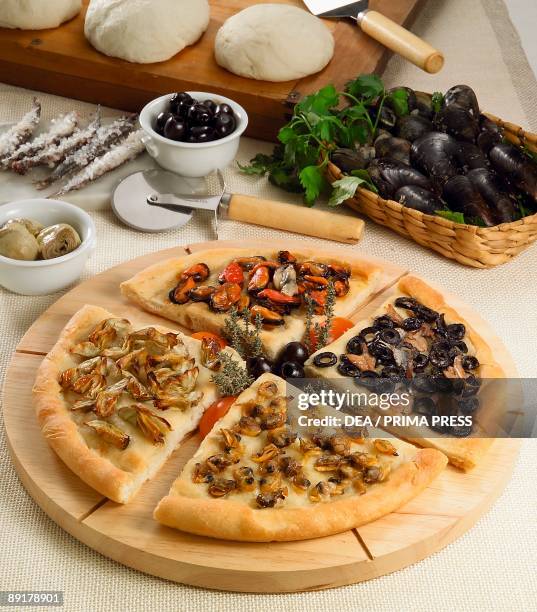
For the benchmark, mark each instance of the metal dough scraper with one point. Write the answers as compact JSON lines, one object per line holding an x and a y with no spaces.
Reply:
{"x":156,"y":200}
{"x":382,"y":29}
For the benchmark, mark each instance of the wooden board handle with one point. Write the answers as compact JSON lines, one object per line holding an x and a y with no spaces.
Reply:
{"x":401,"y":41}
{"x":298,"y":219}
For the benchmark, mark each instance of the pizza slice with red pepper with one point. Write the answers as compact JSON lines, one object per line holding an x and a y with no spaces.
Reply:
{"x":274,"y":287}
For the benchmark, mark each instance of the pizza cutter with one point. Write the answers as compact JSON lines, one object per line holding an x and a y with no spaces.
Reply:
{"x":156,"y":200}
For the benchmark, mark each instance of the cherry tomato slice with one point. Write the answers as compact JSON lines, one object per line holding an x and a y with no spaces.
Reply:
{"x":214,"y":413}
{"x":201,"y":335}
{"x":339,"y":326}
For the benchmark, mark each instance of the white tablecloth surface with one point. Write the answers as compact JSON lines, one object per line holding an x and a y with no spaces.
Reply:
{"x":493,"y":566}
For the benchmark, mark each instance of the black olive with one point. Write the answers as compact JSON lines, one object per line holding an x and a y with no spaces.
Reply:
{"x":442,"y":384}
{"x":179,"y":99}
{"x":325,"y":360}
{"x":161,"y":121}
{"x":346,"y":368}
{"x":407,"y":303}
{"x":383,"y":322}
{"x":294,"y":351}
{"x":174,"y":129}
{"x":424,"y":405}
{"x":420,"y":362}
{"x":455,"y":332}
{"x":460,"y":431}
{"x":393,"y":371}
{"x":441,"y":345}
{"x":225,"y":108}
{"x":201,"y":133}
{"x":470,"y":363}
{"x":202,"y":115}
{"x":411,"y":323}
{"x":382,"y":353}
{"x":257,"y":366}
{"x":440,"y":359}
{"x":368,"y":333}
{"x":211,"y":105}
{"x":468,"y":405}
{"x":461,"y":346}
{"x":471,"y":386}
{"x":354,"y":345}
{"x":390,"y":336}
{"x":423,"y":383}
{"x":224,"y":124}
{"x":290,"y":369}
{"x":368,"y":379}
{"x":425,"y":313}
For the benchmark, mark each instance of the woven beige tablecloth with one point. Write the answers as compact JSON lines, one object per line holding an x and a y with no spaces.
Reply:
{"x":493,"y":566}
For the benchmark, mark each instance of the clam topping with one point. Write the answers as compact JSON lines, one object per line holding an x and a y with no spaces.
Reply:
{"x":58,"y":240}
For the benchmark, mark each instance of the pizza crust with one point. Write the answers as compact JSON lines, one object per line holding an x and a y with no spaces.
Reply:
{"x":149,"y":289}
{"x":188,"y":507}
{"x":465,"y":453}
{"x":116,"y":474}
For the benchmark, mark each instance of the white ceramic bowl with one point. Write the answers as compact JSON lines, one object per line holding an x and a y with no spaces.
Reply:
{"x":186,"y":158}
{"x":51,"y":275}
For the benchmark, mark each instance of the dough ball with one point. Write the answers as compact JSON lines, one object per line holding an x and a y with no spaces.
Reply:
{"x":36,"y":14}
{"x":145,"y":31}
{"x":274,"y":42}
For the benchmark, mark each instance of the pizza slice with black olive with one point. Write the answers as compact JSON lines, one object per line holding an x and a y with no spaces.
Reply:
{"x":416,"y":338}
{"x":114,"y":400}
{"x":254,"y":479}
{"x":200,"y":290}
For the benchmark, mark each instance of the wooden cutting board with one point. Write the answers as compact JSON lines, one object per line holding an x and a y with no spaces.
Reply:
{"x":128,"y":533}
{"x":61,"y":61}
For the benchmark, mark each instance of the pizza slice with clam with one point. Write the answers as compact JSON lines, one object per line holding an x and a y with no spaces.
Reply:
{"x":275,"y":287}
{"x":416,"y":338}
{"x":254,"y":479}
{"x":114,"y":399}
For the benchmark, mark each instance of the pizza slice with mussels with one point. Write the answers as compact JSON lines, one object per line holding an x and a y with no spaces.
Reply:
{"x":200,"y":290}
{"x":114,"y":399}
{"x":254,"y":479}
{"x":415,"y":337}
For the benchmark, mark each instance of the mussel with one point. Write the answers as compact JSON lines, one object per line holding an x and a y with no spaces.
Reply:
{"x":470,"y":156}
{"x":390,"y":175}
{"x":517,"y":168}
{"x":411,"y":97}
{"x":464,"y":97}
{"x":268,"y":317}
{"x":419,"y":198}
{"x":457,"y":122}
{"x":348,"y":159}
{"x":424,"y":105}
{"x":225,"y":296}
{"x":387,"y":145}
{"x":461,"y":195}
{"x":495,"y":194}
{"x":435,"y":154}
{"x":411,"y":127}
{"x":490,"y":134}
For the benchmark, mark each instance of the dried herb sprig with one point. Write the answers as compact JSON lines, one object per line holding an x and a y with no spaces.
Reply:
{"x":244,"y":336}
{"x":310,"y":311}
{"x":329,"y":305}
{"x":232,"y":378}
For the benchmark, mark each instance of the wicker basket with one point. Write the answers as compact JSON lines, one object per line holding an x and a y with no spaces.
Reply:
{"x":480,"y":247}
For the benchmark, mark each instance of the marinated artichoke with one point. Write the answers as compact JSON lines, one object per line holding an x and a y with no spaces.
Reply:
{"x":58,"y":240}
{"x":16,"y":242}
{"x":33,"y":226}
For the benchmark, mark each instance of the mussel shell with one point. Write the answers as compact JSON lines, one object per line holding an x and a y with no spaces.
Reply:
{"x":435,"y":154}
{"x":348,"y":160}
{"x":463,"y":96}
{"x":424,"y":105}
{"x":391,"y":175}
{"x":418,"y":198}
{"x":471,"y":156}
{"x":494,"y":193}
{"x":394,"y":148}
{"x":411,"y":99}
{"x":460,"y":195}
{"x":513,"y":165}
{"x":457,"y":122}
{"x":412,"y":127}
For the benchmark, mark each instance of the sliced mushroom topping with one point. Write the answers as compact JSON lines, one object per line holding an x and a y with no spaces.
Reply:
{"x":365,"y":362}
{"x":221,"y":487}
{"x":416,"y":340}
{"x":110,"y":433}
{"x":457,"y":369}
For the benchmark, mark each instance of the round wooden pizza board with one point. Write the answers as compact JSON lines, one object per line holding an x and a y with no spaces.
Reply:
{"x":129,"y":535}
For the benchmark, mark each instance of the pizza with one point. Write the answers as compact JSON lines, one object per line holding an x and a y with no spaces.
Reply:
{"x":198,"y":291}
{"x":114,"y":400}
{"x":415,"y":336}
{"x":254,"y":479}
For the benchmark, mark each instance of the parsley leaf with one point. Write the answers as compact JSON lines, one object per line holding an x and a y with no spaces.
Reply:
{"x":344,"y":189}
{"x":320,"y":102}
{"x":456,"y":217}
{"x":365,"y":86}
{"x":399,"y":101}
{"x":313,"y":180}
{"x":437,"y":101}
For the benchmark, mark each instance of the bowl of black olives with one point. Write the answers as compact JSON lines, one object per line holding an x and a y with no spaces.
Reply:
{"x":193,"y":133}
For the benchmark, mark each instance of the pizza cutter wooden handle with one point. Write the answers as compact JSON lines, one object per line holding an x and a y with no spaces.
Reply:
{"x":293,"y":218}
{"x":401,"y":41}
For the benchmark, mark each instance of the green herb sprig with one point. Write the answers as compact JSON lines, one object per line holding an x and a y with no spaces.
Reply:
{"x":232,"y":378}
